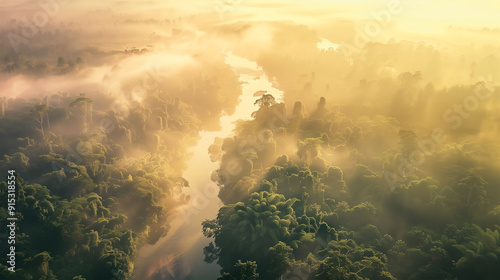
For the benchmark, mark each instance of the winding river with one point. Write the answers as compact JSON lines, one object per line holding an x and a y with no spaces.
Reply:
{"x":179,"y":255}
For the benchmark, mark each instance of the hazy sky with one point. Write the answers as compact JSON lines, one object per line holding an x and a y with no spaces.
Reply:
{"x":479,"y":13}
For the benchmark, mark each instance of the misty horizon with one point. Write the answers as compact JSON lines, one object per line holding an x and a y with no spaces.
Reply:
{"x":250,"y":139}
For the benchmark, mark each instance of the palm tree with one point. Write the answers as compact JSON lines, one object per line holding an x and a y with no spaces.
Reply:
{"x":267,"y":100}
{"x":39,"y":111}
{"x":84,"y":105}
{"x":47,"y":113}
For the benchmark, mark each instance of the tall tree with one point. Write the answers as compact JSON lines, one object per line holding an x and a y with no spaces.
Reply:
{"x":40,"y":111}
{"x":267,"y":100}
{"x":84,"y":104}
{"x":46,"y":99}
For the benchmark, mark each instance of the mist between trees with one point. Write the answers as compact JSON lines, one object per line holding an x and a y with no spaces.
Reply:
{"x":380,"y":163}
{"x":312,"y":200}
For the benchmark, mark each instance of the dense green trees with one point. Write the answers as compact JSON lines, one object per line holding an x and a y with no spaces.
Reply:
{"x":241,"y":271}
{"x":249,"y":231}
{"x":436,"y":218}
{"x":84,"y":204}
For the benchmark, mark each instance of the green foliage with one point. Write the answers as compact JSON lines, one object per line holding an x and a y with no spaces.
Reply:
{"x":265,"y":217}
{"x":242,"y":271}
{"x":437,"y":219}
{"x":84,"y":204}
{"x":346,"y":260}
{"x":280,"y":256}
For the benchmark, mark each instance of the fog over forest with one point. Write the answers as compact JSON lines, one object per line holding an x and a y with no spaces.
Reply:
{"x":250,"y":139}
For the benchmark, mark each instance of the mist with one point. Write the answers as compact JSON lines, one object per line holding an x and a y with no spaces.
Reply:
{"x":351,"y":121}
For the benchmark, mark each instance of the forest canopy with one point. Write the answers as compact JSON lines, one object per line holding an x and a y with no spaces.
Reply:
{"x":327,"y":196}
{"x":339,"y":139}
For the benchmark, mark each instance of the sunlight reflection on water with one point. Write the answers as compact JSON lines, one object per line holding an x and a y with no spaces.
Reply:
{"x":179,"y":255}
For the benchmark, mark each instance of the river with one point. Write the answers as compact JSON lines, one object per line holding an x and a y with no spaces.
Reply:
{"x":179,"y":255}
